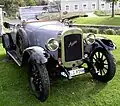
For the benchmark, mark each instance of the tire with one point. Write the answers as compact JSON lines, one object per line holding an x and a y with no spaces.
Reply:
{"x":105,"y":64}
{"x":21,"y":41}
{"x":39,"y":80}
{"x":6,"y":44}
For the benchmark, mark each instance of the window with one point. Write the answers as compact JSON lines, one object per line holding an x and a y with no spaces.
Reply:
{"x":93,"y":6}
{"x":76,"y":7}
{"x":84,"y":6}
{"x":119,"y":5}
{"x":110,"y":5}
{"x":67,"y":7}
{"x":102,"y":5}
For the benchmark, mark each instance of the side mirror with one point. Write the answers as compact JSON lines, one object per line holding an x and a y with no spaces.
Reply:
{"x":6,"y":25}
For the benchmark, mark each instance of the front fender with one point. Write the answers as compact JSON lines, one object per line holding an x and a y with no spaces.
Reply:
{"x":100,"y":43}
{"x":107,"y":44}
{"x":35,"y":53}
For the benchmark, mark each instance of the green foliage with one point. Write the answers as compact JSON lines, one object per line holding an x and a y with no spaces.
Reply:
{"x":90,"y":30}
{"x":111,"y":1}
{"x":100,"y":13}
{"x":93,"y":30}
{"x":118,"y":32}
{"x":98,"y":20}
{"x":110,"y":31}
{"x":11,"y":6}
{"x":101,"y":31}
{"x":30,"y":2}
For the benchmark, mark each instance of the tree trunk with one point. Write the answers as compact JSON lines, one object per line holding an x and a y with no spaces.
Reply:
{"x":113,"y":7}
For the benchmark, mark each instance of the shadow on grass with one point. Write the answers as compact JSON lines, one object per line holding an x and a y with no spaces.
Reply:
{"x":83,"y":84}
{"x":14,"y":82}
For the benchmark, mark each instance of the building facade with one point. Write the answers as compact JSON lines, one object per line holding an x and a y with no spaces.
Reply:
{"x":86,"y":5}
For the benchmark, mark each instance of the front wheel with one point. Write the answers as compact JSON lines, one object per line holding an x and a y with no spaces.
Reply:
{"x":104,"y":63}
{"x":39,"y":80}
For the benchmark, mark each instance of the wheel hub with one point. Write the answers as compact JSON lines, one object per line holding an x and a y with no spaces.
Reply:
{"x":99,"y":63}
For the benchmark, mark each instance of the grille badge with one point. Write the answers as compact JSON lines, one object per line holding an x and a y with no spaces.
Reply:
{"x":72,"y":44}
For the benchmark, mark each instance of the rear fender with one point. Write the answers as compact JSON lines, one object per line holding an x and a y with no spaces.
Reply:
{"x":35,"y":53}
{"x":7,"y":41}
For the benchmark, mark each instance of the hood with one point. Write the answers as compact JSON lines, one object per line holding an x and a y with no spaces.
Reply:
{"x":39,"y":32}
{"x":48,"y":26}
{"x":42,"y":31}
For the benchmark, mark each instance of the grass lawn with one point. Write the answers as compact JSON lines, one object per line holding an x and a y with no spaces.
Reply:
{"x":80,"y":91}
{"x":99,"y":20}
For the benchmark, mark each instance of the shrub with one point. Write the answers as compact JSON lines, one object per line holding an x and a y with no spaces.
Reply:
{"x":90,"y":30}
{"x":94,"y":30}
{"x":118,"y":32}
{"x":101,"y":31}
{"x":100,"y":13}
{"x":85,"y":30}
{"x":110,"y":31}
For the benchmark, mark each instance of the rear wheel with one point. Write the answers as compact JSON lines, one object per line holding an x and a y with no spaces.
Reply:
{"x":39,"y":80}
{"x":104,"y":63}
{"x":21,"y":41}
{"x":6,"y":44}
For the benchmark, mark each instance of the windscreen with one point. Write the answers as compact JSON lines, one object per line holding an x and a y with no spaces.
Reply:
{"x":39,"y":12}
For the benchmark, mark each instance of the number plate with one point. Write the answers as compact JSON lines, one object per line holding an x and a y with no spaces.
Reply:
{"x":74,"y":72}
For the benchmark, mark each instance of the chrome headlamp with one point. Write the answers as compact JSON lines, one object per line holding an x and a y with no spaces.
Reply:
{"x":90,"y":39}
{"x":52,"y":44}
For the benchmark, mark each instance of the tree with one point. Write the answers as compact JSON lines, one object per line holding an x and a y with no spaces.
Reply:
{"x":42,"y":2}
{"x":11,"y":6}
{"x":30,"y":2}
{"x":113,"y":6}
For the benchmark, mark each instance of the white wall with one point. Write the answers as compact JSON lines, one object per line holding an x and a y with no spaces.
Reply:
{"x":89,"y":5}
{"x":1,"y":22}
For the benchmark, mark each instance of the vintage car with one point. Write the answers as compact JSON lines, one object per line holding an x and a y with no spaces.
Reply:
{"x":56,"y":48}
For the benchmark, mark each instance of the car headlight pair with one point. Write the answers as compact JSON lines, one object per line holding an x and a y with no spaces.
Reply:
{"x":52,"y":44}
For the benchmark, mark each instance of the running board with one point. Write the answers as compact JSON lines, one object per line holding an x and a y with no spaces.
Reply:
{"x":13,"y":55}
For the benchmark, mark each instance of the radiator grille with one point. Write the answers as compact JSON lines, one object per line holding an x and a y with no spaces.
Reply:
{"x":73,"y":47}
